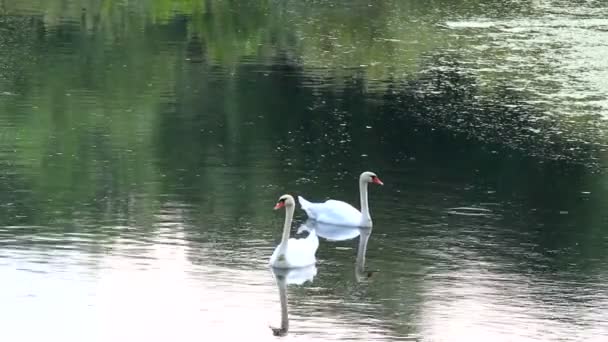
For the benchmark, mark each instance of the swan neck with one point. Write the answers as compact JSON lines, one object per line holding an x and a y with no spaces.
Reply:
{"x":363,"y":196}
{"x":287,"y":225}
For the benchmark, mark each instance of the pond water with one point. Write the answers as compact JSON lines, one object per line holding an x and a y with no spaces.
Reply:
{"x":145,"y":143}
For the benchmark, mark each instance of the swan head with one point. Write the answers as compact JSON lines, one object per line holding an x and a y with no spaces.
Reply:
{"x":370,"y":177}
{"x":285,"y":201}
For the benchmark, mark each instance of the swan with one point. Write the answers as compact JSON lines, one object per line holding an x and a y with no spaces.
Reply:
{"x":292,"y":253}
{"x":342,"y":213}
{"x":283,"y":277}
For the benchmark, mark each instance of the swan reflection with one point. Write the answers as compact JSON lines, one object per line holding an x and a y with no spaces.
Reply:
{"x":283,"y":277}
{"x":332,"y":232}
{"x":360,"y":273}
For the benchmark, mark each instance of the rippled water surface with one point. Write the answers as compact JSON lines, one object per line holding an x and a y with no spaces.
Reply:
{"x":143,"y":145}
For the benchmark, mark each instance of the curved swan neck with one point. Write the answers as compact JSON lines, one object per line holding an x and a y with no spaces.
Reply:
{"x":289,"y":210}
{"x":363,"y":196}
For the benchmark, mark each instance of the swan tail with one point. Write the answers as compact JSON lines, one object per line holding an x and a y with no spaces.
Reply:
{"x":303,"y":202}
{"x":306,"y":206}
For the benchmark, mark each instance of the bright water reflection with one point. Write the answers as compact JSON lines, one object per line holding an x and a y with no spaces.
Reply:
{"x":155,"y":293}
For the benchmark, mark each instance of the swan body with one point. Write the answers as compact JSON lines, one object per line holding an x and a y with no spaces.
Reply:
{"x":297,"y":252}
{"x":332,"y":212}
{"x":293,"y":253}
{"x":341,"y":213}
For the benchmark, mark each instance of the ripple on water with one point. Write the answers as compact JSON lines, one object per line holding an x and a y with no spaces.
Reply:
{"x":470,"y":211}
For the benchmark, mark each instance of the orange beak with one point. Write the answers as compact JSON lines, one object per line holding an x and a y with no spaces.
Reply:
{"x":279,"y":205}
{"x":377,"y":180}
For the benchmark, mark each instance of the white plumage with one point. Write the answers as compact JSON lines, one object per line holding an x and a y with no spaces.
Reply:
{"x":296,"y":253}
{"x":292,"y":253}
{"x":341,"y":213}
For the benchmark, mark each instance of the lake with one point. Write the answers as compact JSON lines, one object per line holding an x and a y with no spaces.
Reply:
{"x":145,"y":143}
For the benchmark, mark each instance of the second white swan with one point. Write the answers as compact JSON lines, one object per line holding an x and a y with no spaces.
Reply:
{"x":342,"y":213}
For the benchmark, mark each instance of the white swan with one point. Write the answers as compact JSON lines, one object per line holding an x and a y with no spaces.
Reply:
{"x":342,"y":213}
{"x":291,"y":253}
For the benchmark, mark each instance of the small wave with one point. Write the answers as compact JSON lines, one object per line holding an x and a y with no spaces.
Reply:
{"x":469,"y":211}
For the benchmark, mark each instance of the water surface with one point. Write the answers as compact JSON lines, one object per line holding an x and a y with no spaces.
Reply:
{"x":144,"y":144}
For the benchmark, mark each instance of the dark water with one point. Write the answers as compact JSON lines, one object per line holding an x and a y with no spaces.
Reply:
{"x":144,"y":143}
